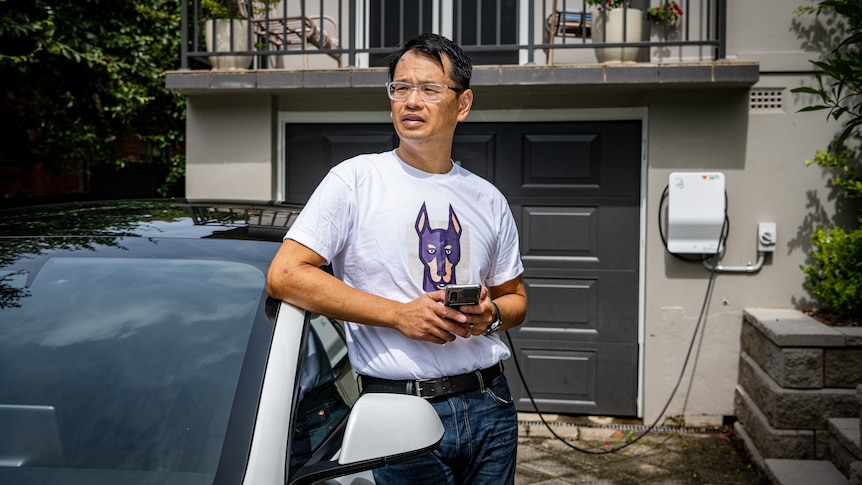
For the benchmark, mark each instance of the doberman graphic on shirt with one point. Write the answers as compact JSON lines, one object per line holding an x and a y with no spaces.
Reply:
{"x":439,"y":250}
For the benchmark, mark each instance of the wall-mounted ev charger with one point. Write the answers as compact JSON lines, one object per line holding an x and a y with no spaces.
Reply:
{"x":695,"y":212}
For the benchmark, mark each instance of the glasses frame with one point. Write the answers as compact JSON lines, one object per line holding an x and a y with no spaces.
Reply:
{"x":415,"y":87}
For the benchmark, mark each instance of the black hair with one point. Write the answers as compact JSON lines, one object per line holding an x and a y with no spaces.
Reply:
{"x":435,"y":46}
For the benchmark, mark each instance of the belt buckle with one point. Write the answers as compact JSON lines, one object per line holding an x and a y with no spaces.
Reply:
{"x":436,"y":387}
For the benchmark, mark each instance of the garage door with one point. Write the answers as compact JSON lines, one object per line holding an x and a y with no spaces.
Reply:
{"x":574,"y":189}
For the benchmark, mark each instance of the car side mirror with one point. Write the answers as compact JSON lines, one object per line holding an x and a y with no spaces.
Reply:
{"x":382,"y":429}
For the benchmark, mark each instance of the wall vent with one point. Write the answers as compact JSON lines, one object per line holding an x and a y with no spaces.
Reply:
{"x":766,"y":100}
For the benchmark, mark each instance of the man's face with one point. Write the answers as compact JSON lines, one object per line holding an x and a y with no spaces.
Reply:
{"x":420,"y":121}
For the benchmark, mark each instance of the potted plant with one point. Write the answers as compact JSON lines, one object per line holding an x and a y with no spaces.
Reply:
{"x":615,"y":22}
{"x":226,"y":30}
{"x":668,"y":14}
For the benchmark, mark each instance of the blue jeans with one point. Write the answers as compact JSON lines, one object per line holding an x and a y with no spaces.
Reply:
{"x":479,"y":443}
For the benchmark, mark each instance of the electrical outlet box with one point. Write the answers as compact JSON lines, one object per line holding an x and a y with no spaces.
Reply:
{"x":767,"y":237}
{"x":695,"y":212}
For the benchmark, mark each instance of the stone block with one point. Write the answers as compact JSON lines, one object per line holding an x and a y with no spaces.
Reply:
{"x":859,"y":399}
{"x":856,"y":473}
{"x":792,"y":328}
{"x":794,"y":408}
{"x":852,"y":336}
{"x":792,"y":367}
{"x":842,"y":367}
{"x":822,"y":442}
{"x":771,"y":442}
{"x":840,"y":456}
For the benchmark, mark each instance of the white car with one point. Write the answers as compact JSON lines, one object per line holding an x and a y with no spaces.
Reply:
{"x":138,"y":346}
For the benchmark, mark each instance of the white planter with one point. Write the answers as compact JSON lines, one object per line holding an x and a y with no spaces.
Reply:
{"x":222,"y":40}
{"x":614,"y":33}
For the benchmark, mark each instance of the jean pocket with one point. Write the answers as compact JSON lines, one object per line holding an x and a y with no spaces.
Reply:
{"x":499,"y":387}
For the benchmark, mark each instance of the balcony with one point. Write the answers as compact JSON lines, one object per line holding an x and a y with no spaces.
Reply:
{"x":310,"y":34}
{"x":569,"y":38}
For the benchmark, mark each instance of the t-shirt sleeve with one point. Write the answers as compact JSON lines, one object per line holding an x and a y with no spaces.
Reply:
{"x":324,"y":223}
{"x":506,"y":264}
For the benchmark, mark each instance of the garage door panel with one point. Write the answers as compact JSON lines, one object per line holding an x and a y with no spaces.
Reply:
{"x":313,"y":149}
{"x":579,"y":236}
{"x":476,"y":153}
{"x":596,"y":307}
{"x":585,"y":378}
{"x":342,"y":147}
{"x":566,"y":159}
{"x":567,"y":232}
{"x":541,"y":165}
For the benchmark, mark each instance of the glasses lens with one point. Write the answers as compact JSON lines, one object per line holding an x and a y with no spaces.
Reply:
{"x":428,"y":91}
{"x":431,"y":92}
{"x":399,"y":90}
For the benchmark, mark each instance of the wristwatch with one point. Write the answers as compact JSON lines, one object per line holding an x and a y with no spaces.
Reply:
{"x":496,"y":324}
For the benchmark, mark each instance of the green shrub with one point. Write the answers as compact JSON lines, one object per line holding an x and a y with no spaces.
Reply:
{"x":835,"y":276}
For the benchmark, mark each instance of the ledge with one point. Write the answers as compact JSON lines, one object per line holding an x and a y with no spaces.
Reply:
{"x":711,"y":75}
{"x":792,"y":328}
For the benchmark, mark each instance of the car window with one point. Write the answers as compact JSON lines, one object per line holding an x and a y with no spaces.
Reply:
{"x":122,"y":364}
{"x":327,"y":389}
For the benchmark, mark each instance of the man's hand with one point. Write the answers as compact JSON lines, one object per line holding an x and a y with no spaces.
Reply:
{"x":425,"y":318}
{"x":478,"y":317}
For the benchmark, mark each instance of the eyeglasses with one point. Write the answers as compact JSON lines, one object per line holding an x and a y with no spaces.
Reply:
{"x":431,"y":92}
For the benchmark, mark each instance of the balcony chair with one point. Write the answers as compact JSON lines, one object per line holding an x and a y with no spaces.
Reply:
{"x":566,"y":23}
{"x":280,"y":31}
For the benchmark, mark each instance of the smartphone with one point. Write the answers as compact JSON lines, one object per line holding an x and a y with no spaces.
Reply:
{"x":459,"y":295}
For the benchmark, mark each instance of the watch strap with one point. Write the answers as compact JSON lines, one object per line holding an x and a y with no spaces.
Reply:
{"x":496,"y":324}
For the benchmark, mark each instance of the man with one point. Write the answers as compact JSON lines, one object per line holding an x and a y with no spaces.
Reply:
{"x":397,"y":228}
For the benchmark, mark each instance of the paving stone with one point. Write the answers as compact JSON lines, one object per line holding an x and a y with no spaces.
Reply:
{"x":804,"y":472}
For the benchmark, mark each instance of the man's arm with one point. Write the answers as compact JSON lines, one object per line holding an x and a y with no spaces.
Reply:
{"x":511,"y":299}
{"x":296,"y":277}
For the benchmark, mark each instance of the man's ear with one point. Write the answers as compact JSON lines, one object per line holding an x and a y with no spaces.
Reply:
{"x":465,"y":102}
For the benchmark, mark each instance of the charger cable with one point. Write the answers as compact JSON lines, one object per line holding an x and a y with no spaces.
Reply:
{"x":700,"y":319}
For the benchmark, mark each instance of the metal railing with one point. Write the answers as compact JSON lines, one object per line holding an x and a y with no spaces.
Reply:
{"x":361,"y":33}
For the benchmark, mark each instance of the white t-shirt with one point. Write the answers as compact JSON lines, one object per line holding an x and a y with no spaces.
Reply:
{"x":398,"y":232}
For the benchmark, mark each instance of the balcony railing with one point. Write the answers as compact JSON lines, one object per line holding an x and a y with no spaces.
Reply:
{"x":304,"y":34}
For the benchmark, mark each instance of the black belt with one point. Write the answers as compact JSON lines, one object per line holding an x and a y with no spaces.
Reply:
{"x":442,"y":386}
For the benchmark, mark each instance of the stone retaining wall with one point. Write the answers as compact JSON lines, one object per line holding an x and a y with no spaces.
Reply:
{"x":794,"y":374}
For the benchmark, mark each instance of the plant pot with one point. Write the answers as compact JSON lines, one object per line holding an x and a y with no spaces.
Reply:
{"x":613,"y":33}
{"x":223,"y":41}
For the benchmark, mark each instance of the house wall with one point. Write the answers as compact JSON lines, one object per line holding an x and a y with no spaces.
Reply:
{"x":762,"y":155}
{"x":232,"y":149}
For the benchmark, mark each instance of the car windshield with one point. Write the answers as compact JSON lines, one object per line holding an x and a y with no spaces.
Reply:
{"x":121,"y":363}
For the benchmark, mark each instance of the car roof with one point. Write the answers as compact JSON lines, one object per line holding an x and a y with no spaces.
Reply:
{"x":160,"y":292}
{"x":161,"y":218}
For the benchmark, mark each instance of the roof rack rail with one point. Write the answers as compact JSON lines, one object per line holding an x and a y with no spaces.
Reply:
{"x":255,"y":215}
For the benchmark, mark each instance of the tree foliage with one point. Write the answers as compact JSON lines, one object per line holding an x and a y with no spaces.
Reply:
{"x":834,"y":277}
{"x":78,"y":76}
